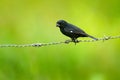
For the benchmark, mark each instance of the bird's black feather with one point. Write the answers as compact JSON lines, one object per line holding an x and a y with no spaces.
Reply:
{"x":72,"y":31}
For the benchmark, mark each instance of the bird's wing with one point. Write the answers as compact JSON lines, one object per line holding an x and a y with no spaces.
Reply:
{"x":75,"y":30}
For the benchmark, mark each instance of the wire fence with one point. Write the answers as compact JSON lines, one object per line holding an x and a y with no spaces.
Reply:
{"x":56,"y":43}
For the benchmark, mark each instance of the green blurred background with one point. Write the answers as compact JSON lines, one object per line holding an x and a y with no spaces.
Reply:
{"x":33,"y":21}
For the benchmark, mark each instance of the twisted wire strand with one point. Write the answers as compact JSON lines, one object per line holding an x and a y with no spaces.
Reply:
{"x":55,"y":43}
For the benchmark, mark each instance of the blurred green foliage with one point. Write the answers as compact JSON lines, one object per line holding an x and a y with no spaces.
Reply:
{"x":32,"y":21}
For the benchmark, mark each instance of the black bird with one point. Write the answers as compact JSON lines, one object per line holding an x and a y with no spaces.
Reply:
{"x":72,"y":31}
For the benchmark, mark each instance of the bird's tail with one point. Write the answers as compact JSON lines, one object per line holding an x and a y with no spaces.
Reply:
{"x":92,"y":37}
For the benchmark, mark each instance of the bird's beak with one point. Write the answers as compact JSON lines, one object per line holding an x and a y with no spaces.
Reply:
{"x":57,"y":25}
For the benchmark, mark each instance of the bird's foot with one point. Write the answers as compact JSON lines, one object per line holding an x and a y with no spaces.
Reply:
{"x":76,"y":41}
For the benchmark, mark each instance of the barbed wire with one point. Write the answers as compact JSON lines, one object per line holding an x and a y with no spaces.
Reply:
{"x":55,"y":43}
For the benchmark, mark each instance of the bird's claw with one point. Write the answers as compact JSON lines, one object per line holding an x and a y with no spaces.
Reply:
{"x":76,"y":41}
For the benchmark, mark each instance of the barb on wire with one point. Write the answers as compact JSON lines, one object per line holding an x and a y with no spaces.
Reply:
{"x":55,"y":43}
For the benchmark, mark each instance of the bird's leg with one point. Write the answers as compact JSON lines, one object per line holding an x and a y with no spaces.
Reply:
{"x":75,"y":40}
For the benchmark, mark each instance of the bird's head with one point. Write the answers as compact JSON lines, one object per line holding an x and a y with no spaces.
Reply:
{"x":61,"y":23}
